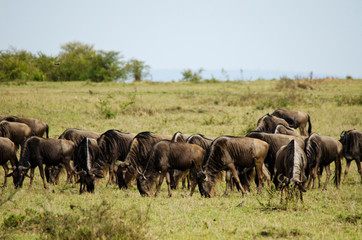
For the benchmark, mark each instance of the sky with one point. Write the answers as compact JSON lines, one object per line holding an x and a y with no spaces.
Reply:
{"x":319,"y":36}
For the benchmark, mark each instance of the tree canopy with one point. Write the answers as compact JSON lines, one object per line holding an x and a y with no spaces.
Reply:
{"x":75,"y":62}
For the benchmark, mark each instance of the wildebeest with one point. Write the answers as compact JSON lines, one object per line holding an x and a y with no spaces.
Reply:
{"x":268,"y":123}
{"x":282,"y":129}
{"x":295,"y":119}
{"x":290,"y":167}
{"x":275,"y":141}
{"x":38,"y":127}
{"x":321,"y":151}
{"x":352,"y":149}
{"x":137,"y":156}
{"x":15,"y":131}
{"x":175,"y":174}
{"x":226,"y":153}
{"x":87,"y":166}
{"x":166,"y":155}
{"x":114,"y":146}
{"x":76,"y":136}
{"x":37,"y":151}
{"x":7,"y":152}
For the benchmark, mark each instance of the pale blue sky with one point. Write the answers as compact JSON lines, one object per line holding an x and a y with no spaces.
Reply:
{"x":281,"y":35}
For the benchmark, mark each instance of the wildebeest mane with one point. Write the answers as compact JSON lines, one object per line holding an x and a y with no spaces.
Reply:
{"x":4,"y":131}
{"x":312,"y":149}
{"x":215,"y":152}
{"x":177,"y":137}
{"x":112,"y":144}
{"x":139,"y":148}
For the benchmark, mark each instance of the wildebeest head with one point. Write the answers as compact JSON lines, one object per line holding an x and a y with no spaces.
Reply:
{"x":18,"y":174}
{"x":206,"y":185}
{"x":295,"y":163}
{"x":144,"y":186}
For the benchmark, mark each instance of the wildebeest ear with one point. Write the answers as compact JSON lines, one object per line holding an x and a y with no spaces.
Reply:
{"x":10,"y":174}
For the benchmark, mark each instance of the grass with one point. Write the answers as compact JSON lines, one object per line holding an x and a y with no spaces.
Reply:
{"x":213,"y":109}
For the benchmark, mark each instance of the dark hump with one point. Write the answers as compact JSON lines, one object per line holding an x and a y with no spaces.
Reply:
{"x":144,"y":135}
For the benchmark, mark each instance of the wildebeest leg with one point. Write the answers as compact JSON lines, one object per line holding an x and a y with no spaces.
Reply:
{"x":301,"y":195}
{"x":41,"y":170}
{"x":358,"y":162}
{"x":347,"y":170}
{"x":228,"y":182}
{"x":68,"y":170}
{"x":235,"y":173}
{"x":160,"y":181}
{"x":259,"y":172}
{"x":32,"y":170}
{"x":328,"y":171}
{"x":302,"y":130}
{"x":320,"y":172}
{"x":193,"y":173}
{"x":168,"y":181}
{"x":6,"y":170}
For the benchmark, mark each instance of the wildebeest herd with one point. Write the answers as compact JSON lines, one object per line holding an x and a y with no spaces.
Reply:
{"x":274,"y":152}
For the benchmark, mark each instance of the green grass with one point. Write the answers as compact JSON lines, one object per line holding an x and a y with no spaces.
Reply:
{"x":213,"y":109}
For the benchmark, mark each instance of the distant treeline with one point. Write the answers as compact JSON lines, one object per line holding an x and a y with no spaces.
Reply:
{"x":75,"y":62}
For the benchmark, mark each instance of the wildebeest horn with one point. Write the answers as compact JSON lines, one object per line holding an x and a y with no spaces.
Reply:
{"x":22,"y":168}
{"x":342,"y":133}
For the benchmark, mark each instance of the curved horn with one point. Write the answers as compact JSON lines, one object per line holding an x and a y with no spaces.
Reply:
{"x":22,"y":168}
{"x":342,"y":133}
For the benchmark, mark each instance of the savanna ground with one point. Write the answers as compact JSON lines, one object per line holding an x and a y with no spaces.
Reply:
{"x":213,"y":109}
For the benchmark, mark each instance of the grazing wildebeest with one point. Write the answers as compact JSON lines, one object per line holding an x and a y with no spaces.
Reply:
{"x":165,"y":155}
{"x":352,"y":149}
{"x":137,"y":156}
{"x":37,"y":151}
{"x":295,"y":119}
{"x":7,"y":152}
{"x":268,"y":123}
{"x":275,"y":141}
{"x":321,"y":151}
{"x":290,"y":167}
{"x":15,"y":131}
{"x":114,"y":145}
{"x":75,"y":135}
{"x":175,"y":174}
{"x":282,"y":129}
{"x":38,"y":128}
{"x":88,"y":165}
{"x":226,"y":153}
{"x":197,"y":139}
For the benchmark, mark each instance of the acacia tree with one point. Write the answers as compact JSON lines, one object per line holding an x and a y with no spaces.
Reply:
{"x":137,"y":70}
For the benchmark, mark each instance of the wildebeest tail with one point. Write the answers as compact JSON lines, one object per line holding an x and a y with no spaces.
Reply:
{"x":310,"y":125}
{"x":47,"y":131}
{"x":338,"y":171}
